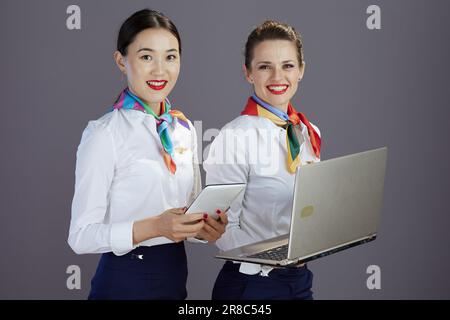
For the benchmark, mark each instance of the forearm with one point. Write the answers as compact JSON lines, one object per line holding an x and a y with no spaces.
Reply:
{"x":100,"y":237}
{"x":233,"y":237}
{"x":145,"y":229}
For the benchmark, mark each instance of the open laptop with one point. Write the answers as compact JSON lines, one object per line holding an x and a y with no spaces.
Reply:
{"x":337,"y":205}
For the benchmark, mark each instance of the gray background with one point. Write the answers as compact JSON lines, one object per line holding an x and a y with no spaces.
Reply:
{"x":365,"y":89}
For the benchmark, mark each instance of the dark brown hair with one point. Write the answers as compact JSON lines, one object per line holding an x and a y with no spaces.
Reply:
{"x":272,"y":30}
{"x":142,"y":20}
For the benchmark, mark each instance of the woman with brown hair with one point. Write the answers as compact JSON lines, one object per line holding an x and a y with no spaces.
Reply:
{"x":263,"y":147}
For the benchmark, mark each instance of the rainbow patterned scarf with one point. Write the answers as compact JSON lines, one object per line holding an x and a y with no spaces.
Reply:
{"x":127,"y":100}
{"x":257,"y":107}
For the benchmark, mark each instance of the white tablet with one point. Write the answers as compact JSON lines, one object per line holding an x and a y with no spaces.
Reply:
{"x":216,"y":196}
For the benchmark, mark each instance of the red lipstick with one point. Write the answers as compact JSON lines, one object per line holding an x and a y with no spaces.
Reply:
{"x":157,"y":84}
{"x":277,"y":88}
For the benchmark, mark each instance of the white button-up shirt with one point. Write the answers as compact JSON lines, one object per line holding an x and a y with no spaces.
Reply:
{"x":252,"y":149}
{"x":121,"y":177}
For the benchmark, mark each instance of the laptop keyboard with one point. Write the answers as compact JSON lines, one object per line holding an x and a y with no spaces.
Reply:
{"x":278,"y":253}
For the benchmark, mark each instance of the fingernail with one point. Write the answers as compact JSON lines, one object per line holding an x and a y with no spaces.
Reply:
{"x":184,"y":208}
{"x":205,"y":216}
{"x":218,"y":211}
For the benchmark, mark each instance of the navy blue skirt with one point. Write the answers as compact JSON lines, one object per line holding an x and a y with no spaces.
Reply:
{"x":281,"y":283}
{"x":157,"y":272}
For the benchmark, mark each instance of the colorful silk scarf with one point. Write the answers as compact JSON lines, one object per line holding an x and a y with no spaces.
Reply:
{"x":128,"y":100}
{"x":257,"y":107}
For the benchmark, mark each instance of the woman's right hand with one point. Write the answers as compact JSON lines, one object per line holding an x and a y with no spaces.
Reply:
{"x":177,"y":226}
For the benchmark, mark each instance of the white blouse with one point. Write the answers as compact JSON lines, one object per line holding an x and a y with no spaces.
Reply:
{"x":121,"y":177}
{"x":252,"y":149}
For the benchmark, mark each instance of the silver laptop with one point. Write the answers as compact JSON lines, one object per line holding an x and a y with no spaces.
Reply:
{"x":337,"y":205}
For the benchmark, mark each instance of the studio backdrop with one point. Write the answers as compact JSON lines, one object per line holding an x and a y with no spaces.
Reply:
{"x":376,"y":75}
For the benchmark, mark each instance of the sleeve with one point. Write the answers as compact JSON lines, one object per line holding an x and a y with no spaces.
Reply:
{"x":227,"y":162}
{"x":95,"y":164}
{"x":197,"y":186}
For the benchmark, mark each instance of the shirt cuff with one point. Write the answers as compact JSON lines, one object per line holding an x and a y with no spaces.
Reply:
{"x":195,"y":240}
{"x":122,"y":237}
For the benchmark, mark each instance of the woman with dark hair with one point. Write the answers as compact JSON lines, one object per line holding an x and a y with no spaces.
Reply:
{"x":263,"y":147}
{"x":136,"y":172}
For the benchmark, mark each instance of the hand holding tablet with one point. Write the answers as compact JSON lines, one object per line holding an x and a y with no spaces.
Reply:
{"x":217,"y":196}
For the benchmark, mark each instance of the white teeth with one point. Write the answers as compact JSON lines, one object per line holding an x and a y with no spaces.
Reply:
{"x":156,"y":83}
{"x":278,"y":88}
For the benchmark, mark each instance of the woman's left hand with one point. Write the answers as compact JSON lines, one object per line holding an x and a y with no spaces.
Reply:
{"x":213,"y":229}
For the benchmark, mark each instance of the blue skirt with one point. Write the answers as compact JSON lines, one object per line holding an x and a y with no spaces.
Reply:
{"x":157,"y":272}
{"x":281,"y":283}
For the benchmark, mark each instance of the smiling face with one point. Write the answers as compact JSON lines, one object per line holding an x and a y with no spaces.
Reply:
{"x":152,"y":65}
{"x":275,"y":72}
